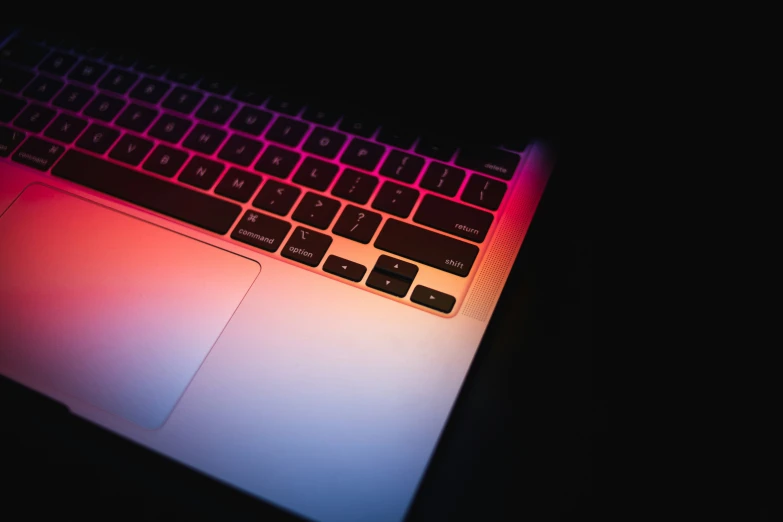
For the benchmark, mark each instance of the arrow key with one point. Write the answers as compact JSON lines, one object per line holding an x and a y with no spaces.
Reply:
{"x":396,"y":268}
{"x":389,"y":284}
{"x":344,"y":268}
{"x":433,"y":299}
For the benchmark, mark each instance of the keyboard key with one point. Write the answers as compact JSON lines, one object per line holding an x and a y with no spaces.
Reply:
{"x":9,"y":140}
{"x":357,"y":224}
{"x":277,"y":162}
{"x":362,"y":154}
{"x":13,"y":79}
{"x":183,"y":77}
{"x":165,"y":161}
{"x":169,"y":128}
{"x":396,"y":199}
{"x":315,"y":174}
{"x":57,"y":63}
{"x":216,"y":86}
{"x":216,"y":110}
{"x":38,"y":154}
{"x":199,"y":209}
{"x":396,"y":138}
{"x":87,"y":71}
{"x":435,"y":148}
{"x":10,"y":107}
{"x":321,"y":117}
{"x":182,"y":100}
{"x":287,"y":131}
{"x":285,"y":106}
{"x":73,"y":98}
{"x":402,"y":166}
{"x":443,"y":179}
{"x":23,"y":53}
{"x":316,"y":210}
{"x":277,"y":197}
{"x":43,"y":88}
{"x":484,"y":192}
{"x":240,"y":150}
{"x":427,"y":247}
{"x":249,"y":95}
{"x":306,"y":246}
{"x":201,"y":172}
{"x":355,"y":186}
{"x":453,"y":218}
{"x":359,"y":126}
{"x":66,"y":128}
{"x":149,"y":90}
{"x":35,"y":117}
{"x":131,"y":149}
{"x":324,"y":142}
{"x":495,"y":162}
{"x":97,"y":138}
{"x":389,"y":284}
{"x":238,"y":185}
{"x":118,"y":81}
{"x":433,"y":299}
{"x":261,"y":231}
{"x":252,"y":121}
{"x":136,"y":118}
{"x":397,"y":268}
{"x":104,"y":107}
{"x":344,"y":268}
{"x":204,"y":139}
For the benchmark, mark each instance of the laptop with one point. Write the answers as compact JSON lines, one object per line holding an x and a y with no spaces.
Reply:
{"x":281,"y":296}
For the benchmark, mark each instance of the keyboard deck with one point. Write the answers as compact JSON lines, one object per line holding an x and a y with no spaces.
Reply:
{"x":400,"y":215}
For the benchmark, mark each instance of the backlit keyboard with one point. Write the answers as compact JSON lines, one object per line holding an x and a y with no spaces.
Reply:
{"x":316,"y":188}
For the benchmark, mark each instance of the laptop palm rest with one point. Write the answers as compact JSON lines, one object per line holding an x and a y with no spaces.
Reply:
{"x":101,"y":307}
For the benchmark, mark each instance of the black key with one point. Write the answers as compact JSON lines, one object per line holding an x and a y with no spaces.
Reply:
{"x":199,"y":209}
{"x":118,"y":81}
{"x":57,"y":63}
{"x":252,"y":121}
{"x":165,"y":161}
{"x":10,"y":107}
{"x":43,"y":88}
{"x":87,"y":71}
{"x":315,"y":173}
{"x":277,"y":162}
{"x":261,"y":231}
{"x":216,"y":86}
{"x":240,"y":150}
{"x":395,"y":199}
{"x":276,"y":197}
{"x":427,"y":247}
{"x":359,"y":126}
{"x":249,"y":95}
{"x":484,"y":192}
{"x":201,"y":172}
{"x":396,"y":138}
{"x":355,"y":186}
{"x":402,"y":166}
{"x":389,"y":284}
{"x":396,"y":268}
{"x":454,"y":218}
{"x":204,"y":139}
{"x":104,"y":107}
{"x":169,"y":128}
{"x":238,"y":184}
{"x":183,"y":77}
{"x":324,"y":142}
{"x":182,"y":100}
{"x":443,"y":179}
{"x":433,"y":299}
{"x":136,"y":118}
{"x":435,"y":149}
{"x":495,"y":162}
{"x":306,"y":246}
{"x":35,"y":118}
{"x":13,"y":79}
{"x":216,"y":110}
{"x":151,"y":68}
{"x":344,"y":268}
{"x":149,"y":90}
{"x":287,"y":131}
{"x":73,"y":98}
{"x":9,"y":140}
{"x":97,"y":138}
{"x":121,"y":58}
{"x":131,"y":149}
{"x":23,"y":52}
{"x":285,"y":106}
{"x":66,"y":128}
{"x":357,"y":223}
{"x":321,"y":117}
{"x":362,"y":154}
{"x":37,"y":153}
{"x":316,"y":210}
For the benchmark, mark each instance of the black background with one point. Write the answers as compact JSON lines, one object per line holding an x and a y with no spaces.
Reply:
{"x":521,"y":441}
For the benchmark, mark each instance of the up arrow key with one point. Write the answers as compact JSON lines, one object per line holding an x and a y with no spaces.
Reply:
{"x":432,"y":297}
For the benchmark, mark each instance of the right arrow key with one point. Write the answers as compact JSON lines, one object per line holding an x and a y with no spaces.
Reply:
{"x":433,"y":299}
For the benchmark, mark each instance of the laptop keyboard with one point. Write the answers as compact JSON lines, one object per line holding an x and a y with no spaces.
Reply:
{"x":268,"y":172}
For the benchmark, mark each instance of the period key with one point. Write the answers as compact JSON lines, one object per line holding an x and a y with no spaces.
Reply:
{"x":344,"y":268}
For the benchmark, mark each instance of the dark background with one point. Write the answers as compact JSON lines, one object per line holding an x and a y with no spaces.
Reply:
{"x":522,"y":439}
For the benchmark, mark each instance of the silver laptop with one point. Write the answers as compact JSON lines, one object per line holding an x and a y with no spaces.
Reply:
{"x":281,"y":297}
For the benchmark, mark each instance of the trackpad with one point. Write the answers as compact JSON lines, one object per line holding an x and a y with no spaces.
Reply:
{"x":107,"y":308}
